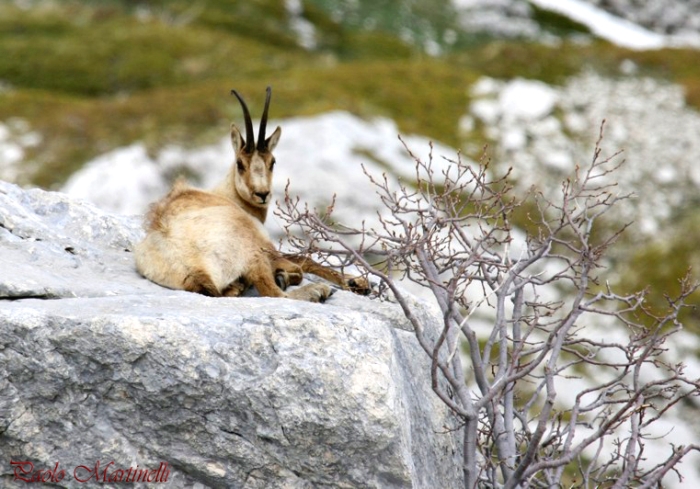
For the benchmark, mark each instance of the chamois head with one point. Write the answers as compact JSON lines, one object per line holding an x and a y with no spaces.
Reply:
{"x":252,"y":178}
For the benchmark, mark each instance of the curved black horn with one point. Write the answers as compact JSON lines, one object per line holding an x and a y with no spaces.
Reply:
{"x":249,"y":142}
{"x":263,"y":121}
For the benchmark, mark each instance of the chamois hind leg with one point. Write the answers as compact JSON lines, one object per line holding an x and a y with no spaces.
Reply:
{"x":358,"y":285}
{"x":200,"y":282}
{"x":262,"y":277}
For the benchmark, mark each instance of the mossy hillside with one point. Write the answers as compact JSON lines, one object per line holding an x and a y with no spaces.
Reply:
{"x":420,"y":23}
{"x":75,"y":129}
{"x":113,"y":76}
{"x":112,"y":79}
{"x":118,"y":53}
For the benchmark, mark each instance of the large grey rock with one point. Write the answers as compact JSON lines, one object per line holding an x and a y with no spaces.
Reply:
{"x":232,"y":393}
{"x":55,"y":247}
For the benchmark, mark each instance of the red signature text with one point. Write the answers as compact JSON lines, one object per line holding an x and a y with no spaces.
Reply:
{"x":24,"y":471}
{"x":107,"y":473}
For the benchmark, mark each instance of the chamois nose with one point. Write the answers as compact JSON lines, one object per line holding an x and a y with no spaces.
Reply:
{"x":263,"y":196}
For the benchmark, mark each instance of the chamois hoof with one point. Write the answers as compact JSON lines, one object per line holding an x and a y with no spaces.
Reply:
{"x":321,"y":292}
{"x":312,"y":293}
{"x":281,"y":280}
{"x":358,"y":285}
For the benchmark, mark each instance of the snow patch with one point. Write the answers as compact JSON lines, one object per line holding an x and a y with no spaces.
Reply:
{"x":611,"y":28}
{"x":513,"y":19}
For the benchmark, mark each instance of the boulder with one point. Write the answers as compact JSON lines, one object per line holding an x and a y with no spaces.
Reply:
{"x":106,"y":377}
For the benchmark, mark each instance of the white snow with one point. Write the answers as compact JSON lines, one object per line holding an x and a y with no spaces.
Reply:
{"x":612,"y":28}
{"x":511,"y":18}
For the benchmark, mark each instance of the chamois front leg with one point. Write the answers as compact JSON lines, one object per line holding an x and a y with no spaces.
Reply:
{"x":358,"y":285}
{"x":262,"y":277}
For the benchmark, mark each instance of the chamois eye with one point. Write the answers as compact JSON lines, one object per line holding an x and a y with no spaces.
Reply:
{"x":272,"y":164}
{"x":239,"y":164}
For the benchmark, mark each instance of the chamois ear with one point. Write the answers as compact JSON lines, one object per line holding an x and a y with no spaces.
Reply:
{"x":272,"y":141}
{"x":236,"y":139}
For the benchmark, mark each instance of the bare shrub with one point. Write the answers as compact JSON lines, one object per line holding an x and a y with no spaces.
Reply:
{"x":554,"y":378}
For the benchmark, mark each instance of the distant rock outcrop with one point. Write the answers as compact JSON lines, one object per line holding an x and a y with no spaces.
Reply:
{"x":98,"y":366}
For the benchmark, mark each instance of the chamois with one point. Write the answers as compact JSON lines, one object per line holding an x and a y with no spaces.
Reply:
{"x":214,"y":243}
